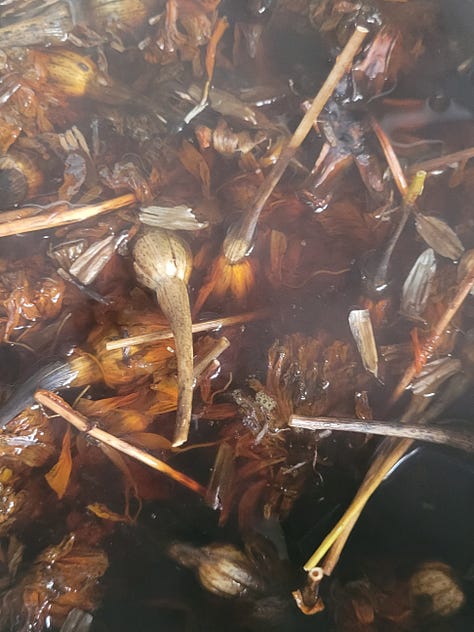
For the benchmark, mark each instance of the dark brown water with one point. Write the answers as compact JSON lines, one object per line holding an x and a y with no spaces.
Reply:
{"x":335,"y":227}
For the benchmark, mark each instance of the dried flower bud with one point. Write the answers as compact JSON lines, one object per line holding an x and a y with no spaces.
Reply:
{"x":21,"y":178}
{"x":222,"y":569}
{"x":129,"y":16}
{"x":163,"y":262}
{"x":435,"y":590}
{"x":50,"y":26}
{"x":76,"y":75}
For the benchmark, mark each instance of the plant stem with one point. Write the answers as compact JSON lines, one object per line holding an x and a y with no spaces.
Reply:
{"x":392,"y":450}
{"x":376,"y":474}
{"x":207,"y":325}
{"x":443,"y":161}
{"x":391,"y":157}
{"x":237,"y":248}
{"x":60,"y":407}
{"x":432,"y":343}
{"x":58,"y":215}
{"x":455,"y":437}
{"x":221,"y":345}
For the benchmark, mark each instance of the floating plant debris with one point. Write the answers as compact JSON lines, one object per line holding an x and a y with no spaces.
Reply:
{"x":417,"y":286}
{"x":361,"y":328}
{"x":236,"y":288}
{"x":439,"y":236}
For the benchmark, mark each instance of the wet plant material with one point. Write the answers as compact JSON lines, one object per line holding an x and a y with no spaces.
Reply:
{"x":236,"y":249}
{"x":61,"y":578}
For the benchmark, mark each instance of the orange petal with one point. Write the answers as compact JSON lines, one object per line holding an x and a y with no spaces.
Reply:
{"x":102,"y":511}
{"x":59,"y":475}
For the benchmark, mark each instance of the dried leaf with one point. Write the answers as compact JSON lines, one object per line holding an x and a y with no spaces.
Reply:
{"x":229,"y":106}
{"x":361,"y":328}
{"x":58,"y":476}
{"x":167,"y":396}
{"x":102,"y":511}
{"x":249,"y":502}
{"x":88,"y":265}
{"x":380,"y":66}
{"x":363,"y":409}
{"x":125,"y":421}
{"x":179,"y":217}
{"x":130,"y":485}
{"x":13,"y":501}
{"x":120,"y":462}
{"x":62,"y":577}
{"x":219,"y":29}
{"x":439,"y":236}
{"x":98,"y":407}
{"x":434,"y":374}
{"x":149,"y":441}
{"x":6,"y":475}
{"x":222,"y":478}
{"x":417,"y":286}
{"x":28,"y":439}
{"x":14,"y":556}
{"x":77,"y":621}
{"x":194,"y":162}
{"x":75,"y":174}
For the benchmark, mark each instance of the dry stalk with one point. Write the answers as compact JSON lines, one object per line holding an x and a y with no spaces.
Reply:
{"x":59,"y":215}
{"x":207,"y":325}
{"x":339,"y":534}
{"x":432,"y":343}
{"x":60,"y":407}
{"x":307,"y":599}
{"x":391,"y":453}
{"x":391,"y":158}
{"x":221,"y":345}
{"x":219,"y":30}
{"x":453,"y":436}
{"x":163,"y":262}
{"x":392,"y":450}
{"x":238,"y":247}
{"x":443,"y":161}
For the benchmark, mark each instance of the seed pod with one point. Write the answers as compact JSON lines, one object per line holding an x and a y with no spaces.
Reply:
{"x":56,"y":23}
{"x":163,"y":263}
{"x":361,"y":328}
{"x":435,"y":591}
{"x":222,"y":569}
{"x":417,"y":287}
{"x":439,"y":236}
{"x":126,"y":16}
{"x":21,"y":178}
{"x":51,"y":26}
{"x":76,"y":75}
